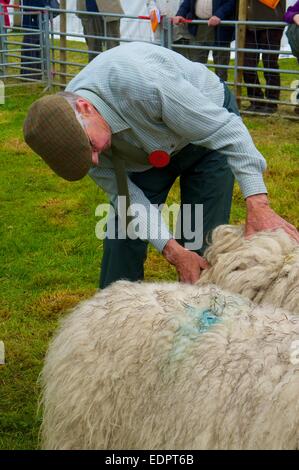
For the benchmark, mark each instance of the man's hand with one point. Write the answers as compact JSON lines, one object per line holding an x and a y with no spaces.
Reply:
{"x":187,"y":263}
{"x":260,"y":216}
{"x":177,"y":19}
{"x":214,"y":21}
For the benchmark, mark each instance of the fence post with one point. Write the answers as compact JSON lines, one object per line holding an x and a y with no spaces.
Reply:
{"x":2,"y":42}
{"x":168,"y":32}
{"x":42,"y":46}
{"x":47,"y":51}
{"x":236,"y":69}
{"x":63,"y":43}
{"x":240,"y":44}
{"x":164,"y":31}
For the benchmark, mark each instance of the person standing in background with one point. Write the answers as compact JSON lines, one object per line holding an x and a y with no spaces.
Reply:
{"x":31,"y":53}
{"x":95,"y":25}
{"x":292,"y":14}
{"x":5,"y":4}
{"x":167,"y":8}
{"x":262,"y":37}
{"x":212,"y":34}
{"x":292,"y":17}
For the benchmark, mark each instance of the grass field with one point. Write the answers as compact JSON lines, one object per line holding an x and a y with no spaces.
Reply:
{"x":50,"y":256}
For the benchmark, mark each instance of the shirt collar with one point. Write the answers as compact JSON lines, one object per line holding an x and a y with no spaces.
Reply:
{"x":116,"y":123}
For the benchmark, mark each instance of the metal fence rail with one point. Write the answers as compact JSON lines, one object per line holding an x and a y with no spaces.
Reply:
{"x":23,"y":52}
{"x":51,"y":57}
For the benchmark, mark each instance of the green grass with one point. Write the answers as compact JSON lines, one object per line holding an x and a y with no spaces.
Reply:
{"x":50,"y":257}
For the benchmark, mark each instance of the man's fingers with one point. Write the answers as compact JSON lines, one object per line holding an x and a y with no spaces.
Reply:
{"x":188,"y":279}
{"x":249,"y":232}
{"x":192,"y":276}
{"x":292,"y":227}
{"x":204,"y":264}
{"x":288,"y":228}
{"x":292,"y":232}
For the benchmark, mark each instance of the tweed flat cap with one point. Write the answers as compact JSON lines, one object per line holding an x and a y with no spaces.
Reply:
{"x":52,"y":130}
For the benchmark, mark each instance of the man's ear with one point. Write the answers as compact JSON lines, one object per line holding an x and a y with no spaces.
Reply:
{"x":84,"y":107}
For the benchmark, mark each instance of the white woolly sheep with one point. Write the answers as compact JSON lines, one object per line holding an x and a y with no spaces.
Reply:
{"x":264,"y":268}
{"x":172,"y":366}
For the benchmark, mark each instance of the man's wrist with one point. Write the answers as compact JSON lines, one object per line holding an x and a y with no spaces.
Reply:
{"x":257,"y":200}
{"x":172,"y":250}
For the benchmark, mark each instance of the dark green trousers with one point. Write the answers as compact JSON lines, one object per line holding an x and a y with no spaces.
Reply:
{"x":205,"y":178}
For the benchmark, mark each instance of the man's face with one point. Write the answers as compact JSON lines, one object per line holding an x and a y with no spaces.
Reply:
{"x":97,"y":129}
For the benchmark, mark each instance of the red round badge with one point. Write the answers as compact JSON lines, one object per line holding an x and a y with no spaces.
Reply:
{"x":159,"y":158}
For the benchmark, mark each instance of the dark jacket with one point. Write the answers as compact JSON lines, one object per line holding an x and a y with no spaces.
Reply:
{"x":31,"y":21}
{"x":224,"y":9}
{"x":257,"y":11}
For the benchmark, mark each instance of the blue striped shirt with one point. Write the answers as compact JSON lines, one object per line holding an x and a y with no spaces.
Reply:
{"x":155,"y":98}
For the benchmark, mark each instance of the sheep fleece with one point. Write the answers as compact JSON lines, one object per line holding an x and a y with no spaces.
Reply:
{"x":264,"y":268}
{"x":166,"y":366}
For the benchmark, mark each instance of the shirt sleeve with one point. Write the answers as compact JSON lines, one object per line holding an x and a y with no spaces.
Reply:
{"x":193,"y":115}
{"x":151,"y":226}
{"x":184,"y":9}
{"x":225,"y":9}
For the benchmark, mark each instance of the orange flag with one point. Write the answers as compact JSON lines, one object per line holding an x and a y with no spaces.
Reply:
{"x":155,"y":19}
